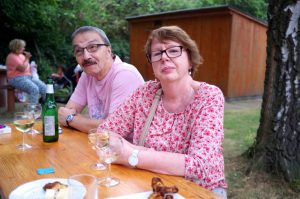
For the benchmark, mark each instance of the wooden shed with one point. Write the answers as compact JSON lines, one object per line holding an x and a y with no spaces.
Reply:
{"x":232,"y":43}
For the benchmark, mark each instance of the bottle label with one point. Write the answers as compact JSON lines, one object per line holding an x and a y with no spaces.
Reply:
{"x":49,"y":125}
{"x":50,"y":89}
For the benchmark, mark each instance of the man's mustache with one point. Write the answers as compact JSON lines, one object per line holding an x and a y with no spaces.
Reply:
{"x":88,"y":62}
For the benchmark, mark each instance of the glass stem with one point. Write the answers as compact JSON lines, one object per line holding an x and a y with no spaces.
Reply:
{"x":108,"y":172}
{"x":99,"y":163}
{"x":33,"y":124}
{"x":23,"y":137}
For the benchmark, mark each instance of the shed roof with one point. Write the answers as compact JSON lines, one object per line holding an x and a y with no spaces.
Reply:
{"x":198,"y":10}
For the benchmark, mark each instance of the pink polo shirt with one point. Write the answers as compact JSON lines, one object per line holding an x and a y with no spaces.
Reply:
{"x":103,"y":97}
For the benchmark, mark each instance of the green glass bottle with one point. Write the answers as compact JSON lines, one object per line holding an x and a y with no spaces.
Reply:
{"x":50,"y":118}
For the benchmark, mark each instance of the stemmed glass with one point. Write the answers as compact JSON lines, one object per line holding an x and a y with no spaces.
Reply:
{"x":35,"y":109}
{"x":92,"y":138}
{"x":108,"y":152}
{"x":23,"y":122}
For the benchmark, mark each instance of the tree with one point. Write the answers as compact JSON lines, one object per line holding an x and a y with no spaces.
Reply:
{"x":277,"y":146}
{"x":47,"y":25}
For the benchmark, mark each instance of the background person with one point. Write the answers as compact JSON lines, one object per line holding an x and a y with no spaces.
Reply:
{"x":77,"y":70}
{"x":59,"y":73}
{"x":105,"y":83}
{"x":186,"y":133}
{"x":19,"y":72}
{"x":34,"y":70}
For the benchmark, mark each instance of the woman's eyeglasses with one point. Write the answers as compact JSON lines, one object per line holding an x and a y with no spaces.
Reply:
{"x":90,"y":48}
{"x":171,"y":52}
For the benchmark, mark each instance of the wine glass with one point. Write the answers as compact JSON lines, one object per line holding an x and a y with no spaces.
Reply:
{"x":23,"y":122}
{"x":92,"y":138}
{"x":108,"y":152}
{"x":35,"y":109}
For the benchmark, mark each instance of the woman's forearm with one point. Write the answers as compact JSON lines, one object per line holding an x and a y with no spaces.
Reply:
{"x":162,"y":162}
{"x":23,"y":66}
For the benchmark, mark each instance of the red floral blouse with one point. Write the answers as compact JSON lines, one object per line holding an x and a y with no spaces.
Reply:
{"x":196,"y":132}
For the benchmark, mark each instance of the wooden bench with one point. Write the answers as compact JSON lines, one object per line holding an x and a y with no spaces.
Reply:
{"x":10,"y":97}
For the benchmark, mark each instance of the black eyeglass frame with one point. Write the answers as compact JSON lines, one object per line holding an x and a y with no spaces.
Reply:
{"x":87,"y":48}
{"x":164,"y":51}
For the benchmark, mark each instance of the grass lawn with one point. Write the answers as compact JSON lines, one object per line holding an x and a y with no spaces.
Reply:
{"x":240,"y":131}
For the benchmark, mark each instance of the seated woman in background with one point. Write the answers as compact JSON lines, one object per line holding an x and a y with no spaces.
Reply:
{"x":19,"y":73}
{"x":59,"y":73}
{"x":186,"y":133}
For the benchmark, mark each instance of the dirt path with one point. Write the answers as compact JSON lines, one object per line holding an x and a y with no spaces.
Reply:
{"x":243,"y":104}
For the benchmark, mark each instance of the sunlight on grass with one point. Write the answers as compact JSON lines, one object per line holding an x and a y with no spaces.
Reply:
{"x":240,"y":128}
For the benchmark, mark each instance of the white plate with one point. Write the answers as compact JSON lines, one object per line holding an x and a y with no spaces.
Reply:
{"x":34,"y":189}
{"x":144,"y":195}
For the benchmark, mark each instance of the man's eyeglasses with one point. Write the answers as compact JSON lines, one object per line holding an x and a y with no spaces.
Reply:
{"x":171,"y":52}
{"x":90,"y":48}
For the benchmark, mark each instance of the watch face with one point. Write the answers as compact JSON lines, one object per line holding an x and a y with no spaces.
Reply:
{"x":69,"y":118}
{"x":133,"y":160}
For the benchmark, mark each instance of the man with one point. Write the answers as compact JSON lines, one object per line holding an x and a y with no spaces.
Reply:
{"x":105,"y":83}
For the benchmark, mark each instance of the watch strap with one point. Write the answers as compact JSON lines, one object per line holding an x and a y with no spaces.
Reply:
{"x":68,"y":123}
{"x":135,"y":152}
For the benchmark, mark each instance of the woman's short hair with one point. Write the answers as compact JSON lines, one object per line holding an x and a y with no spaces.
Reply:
{"x":175,"y":33}
{"x":83,"y":29}
{"x":16,"y":44}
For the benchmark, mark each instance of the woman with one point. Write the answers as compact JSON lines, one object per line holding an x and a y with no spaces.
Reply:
{"x":19,"y":73}
{"x":186,"y":133}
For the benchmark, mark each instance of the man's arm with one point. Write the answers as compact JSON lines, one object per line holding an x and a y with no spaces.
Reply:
{"x":83,"y":123}
{"x":74,"y":106}
{"x":79,"y":122}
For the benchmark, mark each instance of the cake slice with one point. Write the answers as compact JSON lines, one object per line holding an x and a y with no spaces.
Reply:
{"x":56,"y":190}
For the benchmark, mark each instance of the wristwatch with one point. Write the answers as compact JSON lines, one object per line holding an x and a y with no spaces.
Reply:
{"x":69,"y":118}
{"x":133,"y":159}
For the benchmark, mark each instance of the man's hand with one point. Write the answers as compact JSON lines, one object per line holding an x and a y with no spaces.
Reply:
{"x":62,"y":114}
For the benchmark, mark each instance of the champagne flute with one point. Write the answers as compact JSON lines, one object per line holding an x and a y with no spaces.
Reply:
{"x":92,"y":138}
{"x":108,"y":152}
{"x":23,"y":122}
{"x":35,"y":109}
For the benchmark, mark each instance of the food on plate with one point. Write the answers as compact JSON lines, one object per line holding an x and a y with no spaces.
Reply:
{"x":160,"y":191}
{"x":56,"y":190}
{"x":155,"y":195}
{"x":55,"y":185}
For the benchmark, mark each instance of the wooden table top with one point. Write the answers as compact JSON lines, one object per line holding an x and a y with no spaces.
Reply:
{"x":73,"y":155}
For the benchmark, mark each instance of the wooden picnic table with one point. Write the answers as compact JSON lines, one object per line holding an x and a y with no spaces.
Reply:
{"x":73,"y":155}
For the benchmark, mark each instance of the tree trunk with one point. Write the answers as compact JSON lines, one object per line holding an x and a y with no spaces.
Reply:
{"x":38,"y":52}
{"x":277,"y":144}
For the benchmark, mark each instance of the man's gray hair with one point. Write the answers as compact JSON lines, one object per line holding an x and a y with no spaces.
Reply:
{"x":83,"y":29}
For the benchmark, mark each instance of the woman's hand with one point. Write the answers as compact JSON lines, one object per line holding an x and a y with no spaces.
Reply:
{"x":127,"y":151}
{"x":27,"y":54}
